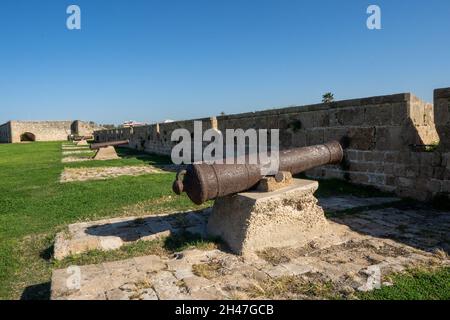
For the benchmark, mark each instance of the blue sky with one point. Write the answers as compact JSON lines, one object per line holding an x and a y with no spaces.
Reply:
{"x":155,"y":60}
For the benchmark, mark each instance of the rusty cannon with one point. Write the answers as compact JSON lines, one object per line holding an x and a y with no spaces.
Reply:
{"x":80,"y":140}
{"x":106,"y":150}
{"x":203,"y":182}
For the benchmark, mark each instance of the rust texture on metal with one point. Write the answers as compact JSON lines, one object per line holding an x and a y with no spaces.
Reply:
{"x":108,"y":144}
{"x":203,"y":182}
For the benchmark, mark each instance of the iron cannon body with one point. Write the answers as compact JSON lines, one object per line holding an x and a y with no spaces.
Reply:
{"x":203,"y":182}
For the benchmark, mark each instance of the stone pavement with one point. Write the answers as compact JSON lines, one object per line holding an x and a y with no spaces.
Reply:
{"x":112,"y":233}
{"x":348,"y":255}
{"x":101,"y":173}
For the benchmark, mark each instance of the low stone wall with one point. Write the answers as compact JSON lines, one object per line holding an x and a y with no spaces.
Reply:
{"x":42,"y":130}
{"x":83,"y":128}
{"x":380,"y":135}
{"x":12,"y":131}
{"x":5,"y":132}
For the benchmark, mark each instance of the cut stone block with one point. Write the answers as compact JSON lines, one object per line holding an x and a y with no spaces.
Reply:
{"x":82,"y":143}
{"x":251,"y":221}
{"x":111,"y":234}
{"x":108,"y":153}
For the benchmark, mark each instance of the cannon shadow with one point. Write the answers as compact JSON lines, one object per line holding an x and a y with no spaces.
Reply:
{"x":153,"y":227}
{"x":416,"y":225}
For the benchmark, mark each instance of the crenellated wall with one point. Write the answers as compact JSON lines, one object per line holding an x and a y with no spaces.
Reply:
{"x":384,"y":138}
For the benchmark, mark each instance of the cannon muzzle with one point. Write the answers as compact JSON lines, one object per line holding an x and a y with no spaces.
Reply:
{"x":203,"y":182}
{"x":99,"y":145}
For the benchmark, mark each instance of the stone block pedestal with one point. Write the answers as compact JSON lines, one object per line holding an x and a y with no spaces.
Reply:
{"x":252,"y":221}
{"x":108,"y":153}
{"x":82,"y":143}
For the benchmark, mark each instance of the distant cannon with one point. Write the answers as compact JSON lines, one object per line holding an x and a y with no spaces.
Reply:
{"x":106,"y":150}
{"x":80,"y":140}
{"x":203,"y":182}
{"x":100,"y":145}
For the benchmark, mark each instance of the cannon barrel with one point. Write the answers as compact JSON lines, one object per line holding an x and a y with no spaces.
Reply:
{"x":99,"y":145}
{"x":79,"y":138}
{"x":203,"y":182}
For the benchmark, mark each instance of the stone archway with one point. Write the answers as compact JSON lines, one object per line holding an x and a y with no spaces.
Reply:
{"x":27,"y":136}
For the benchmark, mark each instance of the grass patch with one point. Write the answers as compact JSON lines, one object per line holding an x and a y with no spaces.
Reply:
{"x":274,"y":256}
{"x":208,"y":270}
{"x":293,"y":287}
{"x":414,"y":285}
{"x":128,"y":157}
{"x":139,"y":248}
{"x":161,"y":247}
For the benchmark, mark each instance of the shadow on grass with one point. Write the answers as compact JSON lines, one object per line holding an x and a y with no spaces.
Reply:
{"x":186,"y":240}
{"x":37,"y":292}
{"x":47,"y":254}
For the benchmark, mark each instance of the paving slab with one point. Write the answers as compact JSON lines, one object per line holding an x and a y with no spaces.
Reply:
{"x":111,"y":234}
{"x":102,"y":173}
{"x":350,"y":256}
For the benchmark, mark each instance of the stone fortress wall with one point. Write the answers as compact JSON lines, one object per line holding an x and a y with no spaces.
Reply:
{"x":381,"y":135}
{"x":14,"y":131}
{"x":5,"y":132}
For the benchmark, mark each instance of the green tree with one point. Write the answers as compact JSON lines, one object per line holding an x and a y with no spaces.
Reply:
{"x":328,"y":97}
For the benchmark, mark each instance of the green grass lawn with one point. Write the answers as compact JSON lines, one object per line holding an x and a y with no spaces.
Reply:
{"x":34,"y":206}
{"x":129,"y":157}
{"x":414,"y":285}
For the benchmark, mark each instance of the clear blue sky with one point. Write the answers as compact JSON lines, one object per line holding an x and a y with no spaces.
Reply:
{"x":155,"y":60}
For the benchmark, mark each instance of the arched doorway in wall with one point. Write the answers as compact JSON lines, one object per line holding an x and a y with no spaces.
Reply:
{"x":27,"y":136}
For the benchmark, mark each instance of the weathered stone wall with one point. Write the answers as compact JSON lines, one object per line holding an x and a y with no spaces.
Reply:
{"x":112,"y":134}
{"x":5,"y":133}
{"x":442,"y":116}
{"x":83,"y":128}
{"x":42,"y":130}
{"x":380,"y":135}
{"x":45,"y":130}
